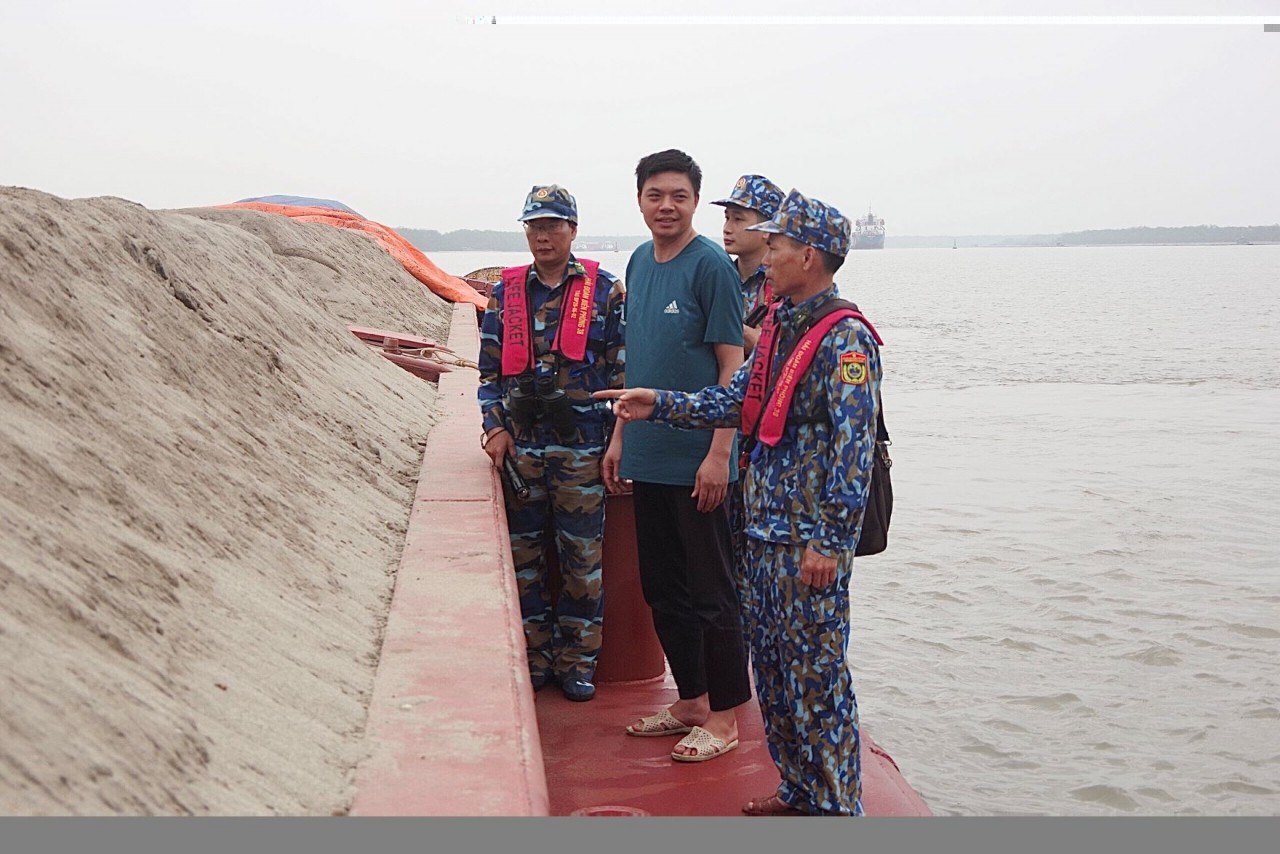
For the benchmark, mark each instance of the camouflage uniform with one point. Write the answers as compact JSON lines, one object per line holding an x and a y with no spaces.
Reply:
{"x":752,"y":292}
{"x":809,"y":490}
{"x":566,"y":492}
{"x":757,"y":193}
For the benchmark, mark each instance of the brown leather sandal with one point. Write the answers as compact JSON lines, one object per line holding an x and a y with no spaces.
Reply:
{"x":772,"y":805}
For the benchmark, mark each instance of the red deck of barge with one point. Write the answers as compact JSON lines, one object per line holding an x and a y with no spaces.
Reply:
{"x":454,"y":726}
{"x":593,"y":767}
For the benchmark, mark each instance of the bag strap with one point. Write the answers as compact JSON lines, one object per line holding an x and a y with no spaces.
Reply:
{"x":831,"y":305}
{"x":882,"y":432}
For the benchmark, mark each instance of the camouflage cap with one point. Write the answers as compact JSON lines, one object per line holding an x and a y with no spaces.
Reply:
{"x":811,"y":222}
{"x":549,"y":201}
{"x":757,"y":193}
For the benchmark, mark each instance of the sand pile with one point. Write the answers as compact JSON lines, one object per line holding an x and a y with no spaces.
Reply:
{"x":206,"y":481}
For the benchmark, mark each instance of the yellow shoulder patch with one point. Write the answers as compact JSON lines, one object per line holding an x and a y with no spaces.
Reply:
{"x":853,"y":368}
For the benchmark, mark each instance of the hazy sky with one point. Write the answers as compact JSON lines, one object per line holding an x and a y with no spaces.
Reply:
{"x":416,"y":117}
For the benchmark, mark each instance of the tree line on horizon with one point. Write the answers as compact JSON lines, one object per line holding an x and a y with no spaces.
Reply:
{"x":1157,"y":234}
{"x":473,"y":240}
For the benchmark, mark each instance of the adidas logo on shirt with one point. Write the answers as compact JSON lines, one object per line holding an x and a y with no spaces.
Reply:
{"x":671,"y":308}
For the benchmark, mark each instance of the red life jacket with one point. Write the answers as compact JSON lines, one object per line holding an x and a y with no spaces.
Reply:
{"x":765,"y":406}
{"x":575,"y":317}
{"x":766,"y":292}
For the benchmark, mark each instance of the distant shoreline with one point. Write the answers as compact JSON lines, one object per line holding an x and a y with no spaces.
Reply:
{"x":467,"y":240}
{"x":910,"y":243}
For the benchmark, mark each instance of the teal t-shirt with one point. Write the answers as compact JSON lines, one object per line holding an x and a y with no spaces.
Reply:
{"x":676,"y":312}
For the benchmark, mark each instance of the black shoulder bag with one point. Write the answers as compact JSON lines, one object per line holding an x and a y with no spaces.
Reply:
{"x":875,"y":519}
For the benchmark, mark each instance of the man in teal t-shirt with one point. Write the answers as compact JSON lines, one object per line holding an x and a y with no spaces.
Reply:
{"x":684,"y":331}
{"x":680,"y":310}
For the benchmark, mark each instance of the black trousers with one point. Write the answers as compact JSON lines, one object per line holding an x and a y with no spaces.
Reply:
{"x":686,"y":573}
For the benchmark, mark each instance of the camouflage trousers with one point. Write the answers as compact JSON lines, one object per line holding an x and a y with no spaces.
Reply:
{"x":798,"y":640}
{"x":565,"y":507}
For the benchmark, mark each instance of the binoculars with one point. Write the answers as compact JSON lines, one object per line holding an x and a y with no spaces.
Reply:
{"x":756,"y":317}
{"x":518,"y":485}
{"x":535,"y":398}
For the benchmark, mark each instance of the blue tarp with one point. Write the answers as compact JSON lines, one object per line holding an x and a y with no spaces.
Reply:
{"x":302,"y":202}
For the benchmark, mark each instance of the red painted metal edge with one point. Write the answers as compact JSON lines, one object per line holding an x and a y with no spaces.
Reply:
{"x":452,"y":728}
{"x":379,"y":337}
{"x":424,"y":368}
{"x":888,"y":792}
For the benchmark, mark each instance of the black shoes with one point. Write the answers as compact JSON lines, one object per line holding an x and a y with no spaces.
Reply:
{"x":574,"y":685}
{"x":577,"y":688}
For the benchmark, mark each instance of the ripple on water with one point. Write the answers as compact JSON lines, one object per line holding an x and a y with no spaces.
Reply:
{"x":1154,"y":615}
{"x":1109,"y":796}
{"x":1081,"y":640}
{"x":1003,"y":725}
{"x":1156,"y":795}
{"x":1020,"y":646}
{"x":989,"y":751}
{"x":1081,"y":618}
{"x":1211,"y":677}
{"x":1267,"y":713}
{"x":1112,"y":553}
{"x":1253,"y":631}
{"x":1195,"y":640}
{"x":1052,"y":703}
{"x":938,"y":645}
{"x":1235,"y":787}
{"x":1154,"y":656}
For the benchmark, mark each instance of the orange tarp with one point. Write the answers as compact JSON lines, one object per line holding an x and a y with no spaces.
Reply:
{"x":419,"y":265}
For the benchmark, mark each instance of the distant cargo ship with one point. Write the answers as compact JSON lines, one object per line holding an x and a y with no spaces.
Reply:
{"x":595,"y":246}
{"x":868,"y":232}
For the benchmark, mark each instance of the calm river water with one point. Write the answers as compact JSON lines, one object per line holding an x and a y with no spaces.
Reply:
{"x":1079,"y":609}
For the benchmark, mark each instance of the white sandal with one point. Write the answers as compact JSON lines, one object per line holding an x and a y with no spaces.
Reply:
{"x":663,"y":723}
{"x":706,"y":745}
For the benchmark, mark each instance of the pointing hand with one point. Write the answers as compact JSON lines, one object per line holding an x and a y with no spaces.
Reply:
{"x":632,"y":404}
